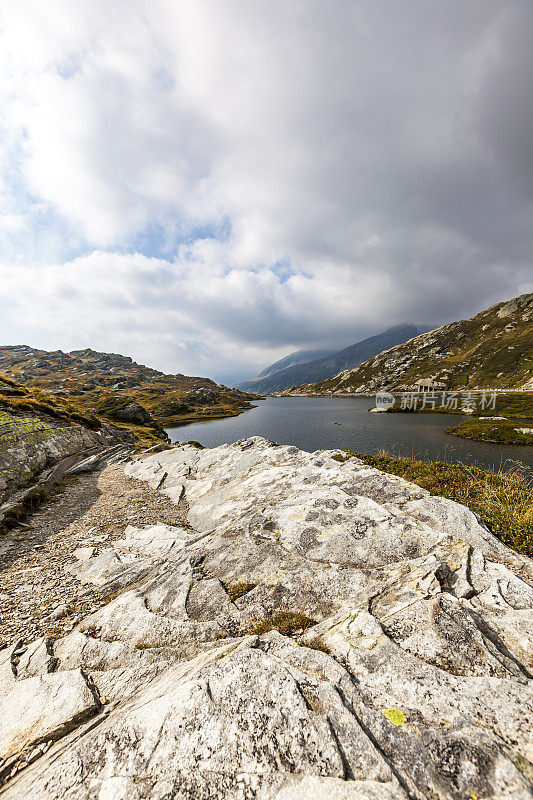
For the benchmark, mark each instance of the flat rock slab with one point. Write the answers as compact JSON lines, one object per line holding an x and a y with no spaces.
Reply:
{"x":42,"y":708}
{"x":402,"y":669}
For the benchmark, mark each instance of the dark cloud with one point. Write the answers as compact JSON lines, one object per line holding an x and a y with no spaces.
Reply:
{"x":305,"y":173}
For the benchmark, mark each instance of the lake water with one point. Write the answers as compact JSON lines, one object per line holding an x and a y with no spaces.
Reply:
{"x":315,"y":423}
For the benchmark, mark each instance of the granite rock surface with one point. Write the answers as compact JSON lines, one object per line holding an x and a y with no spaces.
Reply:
{"x":319,"y":629}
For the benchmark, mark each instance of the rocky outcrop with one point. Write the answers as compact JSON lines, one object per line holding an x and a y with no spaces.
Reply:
{"x":90,"y":380}
{"x":33,"y":444}
{"x":124,"y":409}
{"x":319,"y":630}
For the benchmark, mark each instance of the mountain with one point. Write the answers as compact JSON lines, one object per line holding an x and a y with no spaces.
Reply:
{"x":298,"y":357}
{"x":493,"y":349}
{"x":116,"y":387}
{"x":333,"y":363}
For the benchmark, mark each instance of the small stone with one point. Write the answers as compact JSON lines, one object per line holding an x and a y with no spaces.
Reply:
{"x":84,"y":553}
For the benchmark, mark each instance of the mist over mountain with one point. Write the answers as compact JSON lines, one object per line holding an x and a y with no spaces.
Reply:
{"x":490,"y":350}
{"x":279,"y":376}
{"x":293,"y":359}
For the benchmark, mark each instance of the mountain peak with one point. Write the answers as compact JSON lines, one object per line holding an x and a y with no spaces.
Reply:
{"x":282,"y":375}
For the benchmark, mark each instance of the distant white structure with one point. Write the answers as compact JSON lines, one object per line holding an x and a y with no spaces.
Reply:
{"x":428,"y":385}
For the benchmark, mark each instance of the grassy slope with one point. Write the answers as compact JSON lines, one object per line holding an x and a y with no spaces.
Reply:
{"x":503,"y":500}
{"x":34,"y":407}
{"x":88,"y":379}
{"x":18,"y":399}
{"x":487,"y":350}
{"x":499,"y":431}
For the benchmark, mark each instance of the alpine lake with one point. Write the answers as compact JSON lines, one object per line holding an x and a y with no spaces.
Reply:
{"x":317,"y":423}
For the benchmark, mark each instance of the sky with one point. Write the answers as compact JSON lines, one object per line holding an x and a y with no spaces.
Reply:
{"x":207,"y":186}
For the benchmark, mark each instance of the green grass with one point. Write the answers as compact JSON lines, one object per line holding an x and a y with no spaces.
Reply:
{"x":501,"y":431}
{"x":512,"y":404}
{"x":518,"y":405}
{"x":503,"y":499}
{"x":34,"y":401}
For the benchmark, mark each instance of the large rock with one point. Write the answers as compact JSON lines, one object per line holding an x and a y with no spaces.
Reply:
{"x":30,"y":444}
{"x":403,"y":670}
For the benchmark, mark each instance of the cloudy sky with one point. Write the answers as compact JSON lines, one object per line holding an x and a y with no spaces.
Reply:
{"x":209,"y":185}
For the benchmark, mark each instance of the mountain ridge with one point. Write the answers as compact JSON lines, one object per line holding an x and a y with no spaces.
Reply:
{"x":291,"y":360}
{"x":492,"y":349}
{"x":351,"y":356}
{"x":108,"y":383}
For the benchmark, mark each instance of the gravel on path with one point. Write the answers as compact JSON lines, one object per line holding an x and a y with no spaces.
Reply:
{"x":37,"y":596}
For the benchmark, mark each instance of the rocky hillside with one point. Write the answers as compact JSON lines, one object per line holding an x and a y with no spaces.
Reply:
{"x":43,"y":438}
{"x":332,"y":363}
{"x":494,"y":349}
{"x":316,"y":628}
{"x":114,"y":386}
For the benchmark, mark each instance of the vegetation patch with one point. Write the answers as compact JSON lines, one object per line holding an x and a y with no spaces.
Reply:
{"x":340,"y":458}
{"x":31,"y":501}
{"x":493,"y":430}
{"x":37,"y":403}
{"x":316,"y":644}
{"x":286,"y":622}
{"x":518,"y":405}
{"x":91,"y":630}
{"x":237,"y":590}
{"x":107,"y":598}
{"x":503,"y":498}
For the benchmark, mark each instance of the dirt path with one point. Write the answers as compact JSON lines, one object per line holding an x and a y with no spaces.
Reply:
{"x":37,"y":595}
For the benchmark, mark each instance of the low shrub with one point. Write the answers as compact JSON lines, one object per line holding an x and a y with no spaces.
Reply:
{"x":237,"y":590}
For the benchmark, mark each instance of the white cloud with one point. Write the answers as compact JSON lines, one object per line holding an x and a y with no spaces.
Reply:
{"x":303,"y":173}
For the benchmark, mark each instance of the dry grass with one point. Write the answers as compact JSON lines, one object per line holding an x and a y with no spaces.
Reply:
{"x":237,"y":590}
{"x":502,"y":498}
{"x":112,"y":595}
{"x":91,"y":630}
{"x":316,"y":644}
{"x":286,"y":622}
{"x":32,"y":502}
